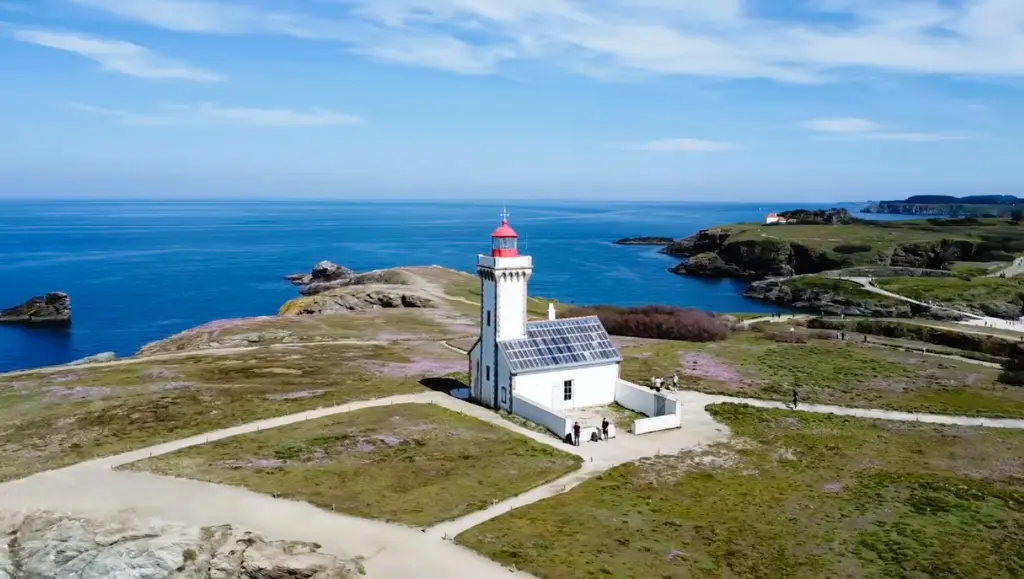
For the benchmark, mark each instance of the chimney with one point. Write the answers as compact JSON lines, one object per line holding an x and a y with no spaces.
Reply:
{"x":551,"y":311}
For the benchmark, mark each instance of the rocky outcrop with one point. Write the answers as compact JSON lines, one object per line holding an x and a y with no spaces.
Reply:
{"x":52,"y":309}
{"x":704,"y":241}
{"x":854,"y":303}
{"x":354,"y":299}
{"x":707,"y":264}
{"x":47,"y":545}
{"x":95,"y":359}
{"x":644,"y":240}
{"x":817,"y":217}
{"x":324,"y":276}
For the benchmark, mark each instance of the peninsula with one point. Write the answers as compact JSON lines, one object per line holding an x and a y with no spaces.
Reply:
{"x":944,"y":205}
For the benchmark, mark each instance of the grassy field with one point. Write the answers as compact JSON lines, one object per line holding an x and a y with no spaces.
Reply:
{"x":956,"y":290}
{"x":417,"y":464}
{"x":827,"y":372}
{"x":48,"y":420}
{"x":797,"y":495}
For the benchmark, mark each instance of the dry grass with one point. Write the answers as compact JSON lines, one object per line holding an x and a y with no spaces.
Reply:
{"x":54,"y":420}
{"x":417,"y":464}
{"x":828,"y":372}
{"x":795,"y":495}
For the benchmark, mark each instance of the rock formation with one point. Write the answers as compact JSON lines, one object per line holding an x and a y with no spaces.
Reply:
{"x":324,"y":276}
{"x":354,"y":299}
{"x":852,"y":303}
{"x":52,"y":309}
{"x":46,"y":545}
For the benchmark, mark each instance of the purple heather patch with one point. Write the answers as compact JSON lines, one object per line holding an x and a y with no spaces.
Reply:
{"x":170,"y":386}
{"x":79,"y":392}
{"x":423,"y":367}
{"x":157,"y":373}
{"x":254,"y":463}
{"x":833,"y":487}
{"x":296,"y":395}
{"x":702,"y":365}
{"x":65,"y":377}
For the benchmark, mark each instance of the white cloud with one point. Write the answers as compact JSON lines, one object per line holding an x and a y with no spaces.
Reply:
{"x":841,"y":125}
{"x":208,"y":113}
{"x":864,"y":129}
{"x":117,"y":56}
{"x":682,"y":146}
{"x":712,"y":38}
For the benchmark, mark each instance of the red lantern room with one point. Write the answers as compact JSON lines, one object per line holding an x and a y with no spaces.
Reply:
{"x":503,"y":240}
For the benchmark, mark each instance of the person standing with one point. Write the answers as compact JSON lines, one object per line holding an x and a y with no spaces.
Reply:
{"x":675,"y":381}
{"x":576,"y":433}
{"x":604,"y":428}
{"x":796,"y":398}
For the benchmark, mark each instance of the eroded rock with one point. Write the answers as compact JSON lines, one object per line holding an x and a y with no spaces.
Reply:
{"x":52,"y":309}
{"x":46,"y":545}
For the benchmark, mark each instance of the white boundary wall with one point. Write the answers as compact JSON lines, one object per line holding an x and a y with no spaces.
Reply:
{"x":645,"y":401}
{"x":534,"y":412}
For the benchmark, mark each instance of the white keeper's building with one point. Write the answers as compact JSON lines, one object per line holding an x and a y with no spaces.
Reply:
{"x":527,"y":368}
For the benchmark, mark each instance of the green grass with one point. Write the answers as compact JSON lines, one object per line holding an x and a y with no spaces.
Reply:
{"x":975,"y":269}
{"x":847,"y":289}
{"x":956,"y":290}
{"x":50,"y":420}
{"x":804,"y":496}
{"x":831,"y":372}
{"x":417,"y":464}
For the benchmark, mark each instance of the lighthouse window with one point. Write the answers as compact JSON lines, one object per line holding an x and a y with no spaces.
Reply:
{"x":488,"y":372}
{"x":488,"y":318}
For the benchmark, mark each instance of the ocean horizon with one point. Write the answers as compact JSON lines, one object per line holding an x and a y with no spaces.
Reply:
{"x":142,"y":270}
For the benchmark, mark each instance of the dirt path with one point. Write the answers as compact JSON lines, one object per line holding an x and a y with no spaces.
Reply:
{"x":784,"y":317}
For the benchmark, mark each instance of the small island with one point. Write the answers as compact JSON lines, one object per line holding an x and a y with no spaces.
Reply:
{"x":53,"y":309}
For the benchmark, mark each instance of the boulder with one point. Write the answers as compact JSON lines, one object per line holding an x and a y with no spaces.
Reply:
{"x":95,"y":359}
{"x":52,"y":309}
{"x":51,"y":545}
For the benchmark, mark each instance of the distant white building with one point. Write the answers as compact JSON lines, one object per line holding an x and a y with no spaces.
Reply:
{"x":545,"y":369}
{"x":773,"y":218}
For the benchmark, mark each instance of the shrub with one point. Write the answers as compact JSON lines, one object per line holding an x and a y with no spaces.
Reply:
{"x":658,"y":322}
{"x":848,"y":248}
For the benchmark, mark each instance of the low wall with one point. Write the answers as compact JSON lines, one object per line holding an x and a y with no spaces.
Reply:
{"x":647,"y":402}
{"x":536,"y":413}
{"x":667,"y":422}
{"x":635,"y":398}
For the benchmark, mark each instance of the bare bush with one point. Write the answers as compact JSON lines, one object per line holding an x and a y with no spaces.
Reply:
{"x":658,"y":322}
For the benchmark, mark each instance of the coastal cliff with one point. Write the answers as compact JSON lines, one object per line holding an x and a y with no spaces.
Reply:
{"x":947,"y":206}
{"x":53,"y":309}
{"x":787,"y":250}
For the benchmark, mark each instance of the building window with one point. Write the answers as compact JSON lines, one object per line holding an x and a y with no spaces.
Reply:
{"x":488,"y":318}
{"x":567,"y":390}
{"x":504,"y":395}
{"x":488,"y":372}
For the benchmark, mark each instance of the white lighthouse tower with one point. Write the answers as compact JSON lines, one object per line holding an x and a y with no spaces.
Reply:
{"x":503,"y":276}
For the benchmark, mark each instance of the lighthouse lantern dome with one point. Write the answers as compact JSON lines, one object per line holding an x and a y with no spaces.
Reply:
{"x":503,"y":240}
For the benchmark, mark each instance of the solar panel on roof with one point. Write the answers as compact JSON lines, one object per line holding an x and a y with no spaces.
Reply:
{"x":557,"y":343}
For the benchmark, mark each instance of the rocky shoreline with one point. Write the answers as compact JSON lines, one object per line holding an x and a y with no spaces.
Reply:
{"x":644,"y":240}
{"x":53,"y":309}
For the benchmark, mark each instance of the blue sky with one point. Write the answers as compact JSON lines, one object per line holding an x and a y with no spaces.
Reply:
{"x":701,"y":100}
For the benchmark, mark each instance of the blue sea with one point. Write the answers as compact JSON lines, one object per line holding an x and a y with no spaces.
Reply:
{"x":138,"y":271}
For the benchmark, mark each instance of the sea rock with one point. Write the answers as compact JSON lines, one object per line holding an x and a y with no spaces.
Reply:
{"x":95,"y":359}
{"x":644,"y":240}
{"x":324,"y":276}
{"x":707,"y":265}
{"x":45,"y":545}
{"x":52,"y":309}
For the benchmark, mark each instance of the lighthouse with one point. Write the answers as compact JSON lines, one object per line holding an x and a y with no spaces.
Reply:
{"x":503,"y":276}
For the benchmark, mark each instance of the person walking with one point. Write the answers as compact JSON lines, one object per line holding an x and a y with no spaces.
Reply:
{"x":604,"y":428}
{"x":576,"y":433}
{"x":796,"y":398}
{"x":657,"y":384}
{"x":675,"y":381}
